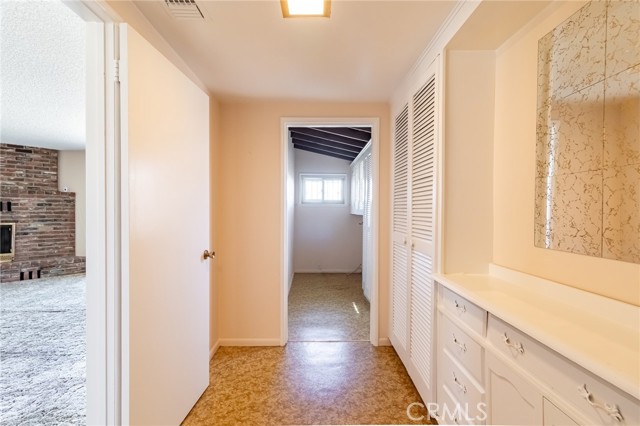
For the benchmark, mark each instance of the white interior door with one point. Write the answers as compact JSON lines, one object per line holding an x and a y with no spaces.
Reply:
{"x":165,"y":160}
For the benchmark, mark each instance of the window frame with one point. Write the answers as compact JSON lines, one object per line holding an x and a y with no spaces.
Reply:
{"x":323,"y":176}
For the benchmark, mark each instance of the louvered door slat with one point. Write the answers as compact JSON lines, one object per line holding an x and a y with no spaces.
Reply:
{"x":421,"y":309}
{"x":423,"y":162}
{"x":400,"y":171}
{"x":399,"y":293}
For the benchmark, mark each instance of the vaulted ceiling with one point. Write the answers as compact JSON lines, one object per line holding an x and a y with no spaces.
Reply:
{"x":338,"y":142}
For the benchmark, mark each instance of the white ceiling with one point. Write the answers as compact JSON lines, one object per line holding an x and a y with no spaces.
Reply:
{"x":241,"y":49}
{"x":246,"y":48}
{"x":42,"y":75}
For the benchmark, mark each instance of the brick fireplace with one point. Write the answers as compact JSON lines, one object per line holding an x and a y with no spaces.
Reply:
{"x":43,"y":217}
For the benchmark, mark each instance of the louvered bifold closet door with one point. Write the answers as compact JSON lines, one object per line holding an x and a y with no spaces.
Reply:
{"x":423,"y":167}
{"x":367,"y":233}
{"x":400,"y":254}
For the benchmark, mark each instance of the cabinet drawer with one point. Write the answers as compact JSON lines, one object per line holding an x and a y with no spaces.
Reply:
{"x":574,"y":385}
{"x":473,"y":316}
{"x":553,"y":416}
{"x":460,"y":384}
{"x":513,"y":343}
{"x":461,"y":346}
{"x":451,"y":412}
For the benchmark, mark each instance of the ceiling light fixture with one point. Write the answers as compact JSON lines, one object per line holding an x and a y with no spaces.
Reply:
{"x":305,"y":8}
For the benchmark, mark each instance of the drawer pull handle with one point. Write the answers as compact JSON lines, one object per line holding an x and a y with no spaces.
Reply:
{"x":462,"y":387}
{"x":461,"y":308}
{"x":611,"y":409}
{"x":459,"y":344}
{"x":517,"y":346}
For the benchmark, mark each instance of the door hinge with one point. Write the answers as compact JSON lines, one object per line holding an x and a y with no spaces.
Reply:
{"x":116,"y":70}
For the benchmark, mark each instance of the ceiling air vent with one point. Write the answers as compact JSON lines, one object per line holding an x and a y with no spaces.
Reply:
{"x":184,"y":9}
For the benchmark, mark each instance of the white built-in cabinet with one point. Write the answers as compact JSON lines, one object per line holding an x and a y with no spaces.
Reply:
{"x":361,"y":203}
{"x":413,"y":244}
{"x":490,"y":371}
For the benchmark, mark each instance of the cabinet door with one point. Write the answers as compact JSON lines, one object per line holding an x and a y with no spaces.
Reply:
{"x":512,"y":399}
{"x":553,"y":416}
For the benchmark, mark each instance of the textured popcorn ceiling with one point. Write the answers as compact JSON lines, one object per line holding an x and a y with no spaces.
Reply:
{"x":42,"y":75}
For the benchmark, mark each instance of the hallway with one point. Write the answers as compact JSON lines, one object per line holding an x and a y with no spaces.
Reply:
{"x":328,"y":308}
{"x":328,"y":373}
{"x":307,"y":383}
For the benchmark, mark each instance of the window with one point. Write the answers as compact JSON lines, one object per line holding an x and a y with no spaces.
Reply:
{"x":322,"y":189}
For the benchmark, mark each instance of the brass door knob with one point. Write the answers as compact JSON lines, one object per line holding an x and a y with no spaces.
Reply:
{"x":208,"y":255}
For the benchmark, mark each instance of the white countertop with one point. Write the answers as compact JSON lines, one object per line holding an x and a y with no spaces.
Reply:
{"x":600,"y":334}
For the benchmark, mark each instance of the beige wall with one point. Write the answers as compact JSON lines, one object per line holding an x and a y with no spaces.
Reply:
{"x":514,"y":169}
{"x":468,"y":156}
{"x":71,"y":174}
{"x":248,"y":202}
{"x":327,"y":238}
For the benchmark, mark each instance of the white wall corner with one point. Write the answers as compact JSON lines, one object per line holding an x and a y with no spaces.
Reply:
{"x":384,"y":341}
{"x":214,"y":349}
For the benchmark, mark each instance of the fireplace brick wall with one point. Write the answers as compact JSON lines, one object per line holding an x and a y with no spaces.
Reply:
{"x":44,"y":216}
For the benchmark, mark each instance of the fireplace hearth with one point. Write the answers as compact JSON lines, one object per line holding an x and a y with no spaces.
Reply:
{"x":7,"y":242}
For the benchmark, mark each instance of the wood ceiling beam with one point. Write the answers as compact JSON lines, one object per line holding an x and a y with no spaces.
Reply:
{"x":361,"y":129}
{"x":346,"y":132}
{"x":322,"y":152}
{"x":325,"y":148}
{"x":322,"y":142}
{"x":327,"y":136}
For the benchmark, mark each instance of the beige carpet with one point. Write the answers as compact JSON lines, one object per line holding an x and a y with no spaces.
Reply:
{"x":42,"y":351}
{"x":328,"y":308}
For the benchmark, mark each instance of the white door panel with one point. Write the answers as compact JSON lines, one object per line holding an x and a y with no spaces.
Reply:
{"x":166,"y":154}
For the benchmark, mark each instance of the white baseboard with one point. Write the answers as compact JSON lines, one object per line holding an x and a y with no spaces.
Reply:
{"x":250,"y":342}
{"x":214,"y":349}
{"x":324,"y":271}
{"x":384,"y":341}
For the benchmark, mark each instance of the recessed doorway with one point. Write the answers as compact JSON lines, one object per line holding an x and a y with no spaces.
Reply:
{"x":330,"y":285}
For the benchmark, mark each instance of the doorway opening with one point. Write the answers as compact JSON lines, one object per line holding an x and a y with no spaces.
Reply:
{"x":330,"y":284}
{"x":42,"y":207}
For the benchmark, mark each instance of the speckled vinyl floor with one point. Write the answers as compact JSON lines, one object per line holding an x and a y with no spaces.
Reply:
{"x":323,"y":382}
{"x":328,"y":307}
{"x":307,"y":383}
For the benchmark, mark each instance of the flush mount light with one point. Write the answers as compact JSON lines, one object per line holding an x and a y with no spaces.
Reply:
{"x":305,"y":8}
